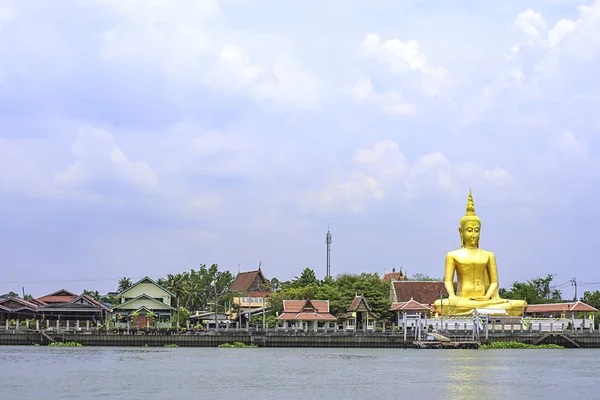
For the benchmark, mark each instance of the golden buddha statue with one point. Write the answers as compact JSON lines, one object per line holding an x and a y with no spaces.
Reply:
{"x":476,"y":274}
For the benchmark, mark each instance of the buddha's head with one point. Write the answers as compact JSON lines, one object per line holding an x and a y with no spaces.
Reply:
{"x":470,"y":225}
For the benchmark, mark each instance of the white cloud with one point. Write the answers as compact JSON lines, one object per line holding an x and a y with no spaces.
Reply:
{"x":187,"y":42}
{"x":568,"y":144}
{"x":98,"y":157}
{"x":407,"y":59}
{"x":383,"y":171}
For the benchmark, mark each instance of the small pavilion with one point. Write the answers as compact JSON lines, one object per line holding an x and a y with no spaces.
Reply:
{"x":359,"y":315}
{"x":306,"y":314}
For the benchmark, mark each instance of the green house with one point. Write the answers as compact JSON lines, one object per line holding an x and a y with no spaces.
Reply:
{"x":145,"y":304}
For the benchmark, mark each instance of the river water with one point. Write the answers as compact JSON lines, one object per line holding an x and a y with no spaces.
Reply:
{"x":49,"y":373}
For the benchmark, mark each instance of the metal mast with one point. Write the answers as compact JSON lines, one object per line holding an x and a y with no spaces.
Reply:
{"x":328,"y":241}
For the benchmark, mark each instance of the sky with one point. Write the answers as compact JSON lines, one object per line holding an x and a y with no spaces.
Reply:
{"x":147,"y":137}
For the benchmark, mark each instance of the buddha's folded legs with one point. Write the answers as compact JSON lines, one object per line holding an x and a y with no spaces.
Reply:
{"x":464,"y":306}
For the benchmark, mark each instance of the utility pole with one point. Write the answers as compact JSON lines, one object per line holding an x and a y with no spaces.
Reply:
{"x":574,"y":283}
{"x":441,"y":310}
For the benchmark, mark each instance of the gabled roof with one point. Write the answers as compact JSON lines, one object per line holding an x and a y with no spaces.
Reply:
{"x":244,"y":280}
{"x":394,"y":276}
{"x":410,"y":305}
{"x":146,"y":279}
{"x":142,"y":296}
{"x":61,"y":292}
{"x":65,"y":307}
{"x":356,"y":302}
{"x":38,"y":302}
{"x":306,"y":310}
{"x":577,"y":306}
{"x":89,"y":300}
{"x":295,"y":306}
{"x":60,"y":296}
{"x":20,"y":304}
{"x":4,"y":308}
{"x":424,"y":292}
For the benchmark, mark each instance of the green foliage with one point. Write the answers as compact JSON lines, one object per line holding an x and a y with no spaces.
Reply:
{"x":9,"y":294}
{"x":196,"y":288}
{"x":270,"y":319}
{"x":518,"y":345}
{"x":237,"y":345}
{"x":65,"y":344}
{"x":124,"y":284}
{"x":535,"y":291}
{"x":171,"y":345}
{"x":423,"y":277}
{"x":593,"y":299}
{"x":183,"y":315}
{"x":339,"y":291}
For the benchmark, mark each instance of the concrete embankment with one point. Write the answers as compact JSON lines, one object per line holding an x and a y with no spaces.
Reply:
{"x":283,"y":339}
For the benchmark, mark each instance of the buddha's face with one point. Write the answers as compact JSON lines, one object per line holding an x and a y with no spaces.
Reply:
{"x":470,"y":234}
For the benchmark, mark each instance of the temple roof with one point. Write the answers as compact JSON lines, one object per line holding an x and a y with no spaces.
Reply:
{"x":356,"y":302}
{"x":243,"y":281}
{"x":306,"y":310}
{"x":410,"y":305}
{"x":424,"y":292}
{"x":576,"y":306}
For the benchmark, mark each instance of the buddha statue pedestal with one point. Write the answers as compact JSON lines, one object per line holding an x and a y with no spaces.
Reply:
{"x":476,"y":274}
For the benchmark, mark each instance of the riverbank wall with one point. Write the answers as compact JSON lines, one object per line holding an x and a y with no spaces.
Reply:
{"x":285,"y":339}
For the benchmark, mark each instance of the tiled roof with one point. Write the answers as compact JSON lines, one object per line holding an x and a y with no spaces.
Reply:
{"x":4,"y":308}
{"x":90,"y":300}
{"x":306,"y":316}
{"x":410,"y":305}
{"x":22,"y":303}
{"x":424,"y":292}
{"x":244,"y":280}
{"x":394,"y":276}
{"x":577,"y":306}
{"x":56,"y":299}
{"x":295,"y":306}
{"x":356,"y":302}
{"x":61,"y":292}
{"x":306,"y":310}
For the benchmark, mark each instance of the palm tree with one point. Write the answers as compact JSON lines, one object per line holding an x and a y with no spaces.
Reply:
{"x":124,"y":284}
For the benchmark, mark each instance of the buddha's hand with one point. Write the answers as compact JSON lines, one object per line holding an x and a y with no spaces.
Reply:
{"x":481,"y":298}
{"x":452,"y":300}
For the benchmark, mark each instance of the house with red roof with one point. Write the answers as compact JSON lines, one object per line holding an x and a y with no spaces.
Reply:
{"x":66,"y":310}
{"x":308,"y":315}
{"x":250,"y":290}
{"x":421,"y":292}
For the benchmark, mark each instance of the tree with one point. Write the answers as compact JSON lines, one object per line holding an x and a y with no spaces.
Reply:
{"x":593,"y":299}
{"x":124,"y":284}
{"x":307,"y":278}
{"x":535,"y":291}
{"x":9,"y":294}
{"x":275,"y":284}
{"x":422,"y":277}
{"x":93,"y":294}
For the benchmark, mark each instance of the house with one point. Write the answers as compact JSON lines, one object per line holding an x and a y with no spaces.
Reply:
{"x":422,"y":292}
{"x":359,"y":315}
{"x":14,"y":312}
{"x":144,"y":304}
{"x":63,"y":309}
{"x":571,"y":310}
{"x":306,"y":314}
{"x":411,"y":309}
{"x":250,"y":290}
